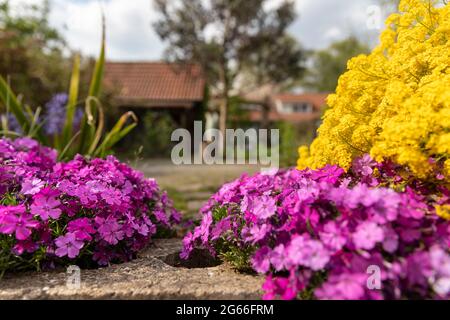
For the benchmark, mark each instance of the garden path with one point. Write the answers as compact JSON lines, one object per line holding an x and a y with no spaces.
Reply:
{"x":190,"y":186}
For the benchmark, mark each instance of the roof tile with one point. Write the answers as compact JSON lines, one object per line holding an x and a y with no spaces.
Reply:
{"x":156,"y":80}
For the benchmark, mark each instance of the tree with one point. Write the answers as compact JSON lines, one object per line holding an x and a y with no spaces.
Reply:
{"x":227,"y":37}
{"x":31,"y":53}
{"x":276,"y":60}
{"x":329,"y":64}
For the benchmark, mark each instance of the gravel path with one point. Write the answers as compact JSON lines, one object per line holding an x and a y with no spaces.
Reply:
{"x":191,"y":185}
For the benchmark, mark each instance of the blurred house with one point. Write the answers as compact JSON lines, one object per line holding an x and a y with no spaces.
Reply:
{"x":266,"y":104}
{"x":178,"y":89}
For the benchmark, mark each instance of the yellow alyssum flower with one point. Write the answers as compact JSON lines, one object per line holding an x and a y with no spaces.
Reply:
{"x":395,"y":102}
{"x":443,"y":211}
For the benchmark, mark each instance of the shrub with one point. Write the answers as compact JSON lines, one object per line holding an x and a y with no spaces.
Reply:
{"x":152,"y":136}
{"x":72,"y":131}
{"x":85,"y":212}
{"x":395,"y":102}
{"x":316,"y":233}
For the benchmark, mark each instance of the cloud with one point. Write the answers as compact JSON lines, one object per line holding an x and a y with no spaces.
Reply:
{"x":130,"y":35}
{"x":323,"y":21}
{"x":129,"y":32}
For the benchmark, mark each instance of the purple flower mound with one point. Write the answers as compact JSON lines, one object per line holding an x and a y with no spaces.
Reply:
{"x":88,"y":212}
{"x":327,"y":234}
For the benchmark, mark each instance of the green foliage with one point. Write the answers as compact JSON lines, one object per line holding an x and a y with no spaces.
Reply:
{"x":31,"y":52}
{"x":318,"y":278}
{"x":228,"y":248}
{"x":330,"y":63}
{"x":237,"y":116}
{"x":152,"y":136}
{"x":274,"y":58}
{"x":219,"y":214}
{"x":288,"y":144}
{"x":237,"y":257}
{"x":291,"y":136}
{"x":9,"y":261}
{"x":91,"y":140}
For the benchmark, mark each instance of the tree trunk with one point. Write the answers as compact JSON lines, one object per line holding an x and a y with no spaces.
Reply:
{"x":265,"y":106}
{"x":225,"y":101}
{"x":265,"y":114}
{"x":223,"y":118}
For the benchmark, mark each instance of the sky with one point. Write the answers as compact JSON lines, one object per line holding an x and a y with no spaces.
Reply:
{"x":130,"y":36}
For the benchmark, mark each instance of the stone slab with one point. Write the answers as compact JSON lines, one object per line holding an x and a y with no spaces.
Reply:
{"x":147,"y":277}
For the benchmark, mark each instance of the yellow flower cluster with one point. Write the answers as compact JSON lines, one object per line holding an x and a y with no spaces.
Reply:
{"x":394,"y":103}
{"x":443,"y":211}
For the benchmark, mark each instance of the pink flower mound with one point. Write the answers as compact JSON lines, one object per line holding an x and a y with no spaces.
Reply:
{"x":91,"y":212}
{"x":328,"y":234}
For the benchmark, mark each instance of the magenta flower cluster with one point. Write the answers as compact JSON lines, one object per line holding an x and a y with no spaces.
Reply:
{"x":329,"y":234}
{"x":93,"y":212}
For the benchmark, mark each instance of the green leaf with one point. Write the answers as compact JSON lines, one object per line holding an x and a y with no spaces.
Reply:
{"x":117,"y":133}
{"x":11,"y":102}
{"x":72,"y":103}
{"x":88,"y":131}
{"x":64,"y":152}
{"x":97,"y":78}
{"x":20,"y":111}
{"x":91,"y":101}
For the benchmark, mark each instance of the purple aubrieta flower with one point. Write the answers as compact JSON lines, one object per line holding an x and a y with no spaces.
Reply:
{"x":45,"y":205}
{"x":391,"y":240}
{"x":68,"y":245}
{"x":32,"y":186}
{"x":305,"y":224}
{"x":278,"y":257}
{"x":333,"y":236}
{"x":260,"y":260}
{"x":256,"y":233}
{"x":15,"y":220}
{"x":23,"y":246}
{"x":203,"y":230}
{"x":264,"y":207}
{"x":286,"y":288}
{"x":364,"y":165}
{"x":343,"y":287}
{"x":82,"y":228}
{"x":329,"y":174}
{"x":220,"y":228}
{"x":367,"y":235}
{"x":188,"y":245}
{"x":25,"y":143}
{"x":440,"y":278}
{"x":306,"y":252}
{"x":110,"y":230}
{"x":99,"y":201}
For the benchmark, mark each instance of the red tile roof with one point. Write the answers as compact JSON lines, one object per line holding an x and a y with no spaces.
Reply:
{"x":156,"y":81}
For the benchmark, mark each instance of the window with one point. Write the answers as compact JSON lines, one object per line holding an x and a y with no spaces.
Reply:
{"x":300,"y":107}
